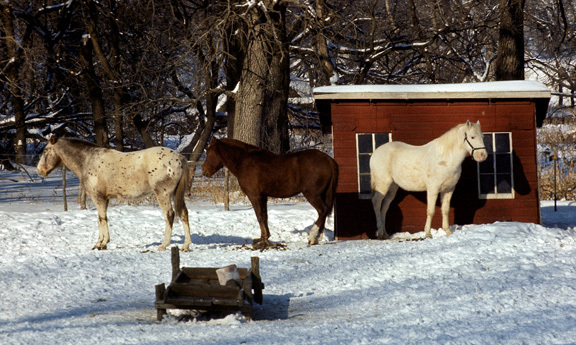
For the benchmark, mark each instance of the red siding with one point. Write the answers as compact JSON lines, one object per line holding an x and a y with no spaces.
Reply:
{"x":417,"y":122}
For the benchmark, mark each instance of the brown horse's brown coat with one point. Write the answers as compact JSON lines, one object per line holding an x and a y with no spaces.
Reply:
{"x":262,"y":174}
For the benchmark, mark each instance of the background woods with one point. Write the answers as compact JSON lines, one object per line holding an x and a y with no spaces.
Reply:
{"x":129,"y":73}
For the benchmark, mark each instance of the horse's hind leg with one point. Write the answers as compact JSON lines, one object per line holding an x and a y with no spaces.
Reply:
{"x":259,"y":204}
{"x":166,"y":206}
{"x":382,"y":196}
{"x":187,"y":239}
{"x":103,"y":234}
{"x":318,"y":229}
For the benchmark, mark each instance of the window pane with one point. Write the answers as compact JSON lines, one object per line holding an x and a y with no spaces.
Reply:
{"x":504,"y":183}
{"x":502,"y":142}
{"x":364,"y":143}
{"x":488,"y":142}
{"x":486,"y":184}
{"x":364,"y":163}
{"x":487,"y":166}
{"x":365,"y":183}
{"x":381,"y":138}
{"x":503,"y":164}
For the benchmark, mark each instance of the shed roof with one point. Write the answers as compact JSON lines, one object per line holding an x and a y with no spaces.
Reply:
{"x":515,"y":89}
{"x":496,"y":89}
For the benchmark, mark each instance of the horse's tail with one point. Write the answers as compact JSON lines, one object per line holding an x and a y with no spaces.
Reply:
{"x":331,"y":192}
{"x":181,"y":188}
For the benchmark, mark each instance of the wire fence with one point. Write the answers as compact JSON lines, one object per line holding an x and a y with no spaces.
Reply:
{"x":557,"y":181}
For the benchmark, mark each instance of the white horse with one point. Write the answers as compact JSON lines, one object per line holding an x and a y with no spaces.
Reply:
{"x":107,"y":174}
{"x":434,"y":167}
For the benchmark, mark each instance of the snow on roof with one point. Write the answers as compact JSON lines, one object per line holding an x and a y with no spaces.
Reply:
{"x":496,"y":89}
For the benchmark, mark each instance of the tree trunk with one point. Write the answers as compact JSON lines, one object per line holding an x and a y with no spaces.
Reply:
{"x":250,"y":97}
{"x":327,"y":70}
{"x":261,"y":103}
{"x":510,"y":60}
{"x":275,"y":116}
{"x":94,"y":93}
{"x":13,"y":72}
{"x":91,"y":79}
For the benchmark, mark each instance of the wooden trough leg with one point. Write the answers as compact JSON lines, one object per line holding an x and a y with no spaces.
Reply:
{"x":160,"y":289}
{"x":257,"y":285}
{"x":175,"y":262}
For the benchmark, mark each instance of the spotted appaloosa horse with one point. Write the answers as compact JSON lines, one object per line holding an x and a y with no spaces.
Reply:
{"x":434,"y":167}
{"x":107,"y":174}
{"x":262,"y":174}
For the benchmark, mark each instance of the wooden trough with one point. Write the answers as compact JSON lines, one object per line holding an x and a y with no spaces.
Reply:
{"x":198,"y":288}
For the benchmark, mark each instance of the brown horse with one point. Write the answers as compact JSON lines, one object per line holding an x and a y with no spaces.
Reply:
{"x":107,"y":173}
{"x":262,"y":174}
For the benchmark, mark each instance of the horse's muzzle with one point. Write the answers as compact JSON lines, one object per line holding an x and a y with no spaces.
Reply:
{"x":479,"y":155}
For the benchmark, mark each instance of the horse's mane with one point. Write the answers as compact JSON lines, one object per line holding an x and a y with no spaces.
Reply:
{"x":79,"y":142}
{"x":239,"y":144}
{"x":236,"y":150}
{"x":76,"y":147}
{"x":449,"y":139}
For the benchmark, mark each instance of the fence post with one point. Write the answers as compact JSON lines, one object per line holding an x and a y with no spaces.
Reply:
{"x":64,"y":188}
{"x":555,"y":158}
{"x":226,"y":190}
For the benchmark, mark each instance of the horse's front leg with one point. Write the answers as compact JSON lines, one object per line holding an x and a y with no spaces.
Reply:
{"x":431,"y":197}
{"x":445,"y":197}
{"x":259,"y":203}
{"x":103,"y":234}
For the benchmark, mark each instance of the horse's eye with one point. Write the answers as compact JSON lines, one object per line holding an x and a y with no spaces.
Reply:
{"x":473,"y":138}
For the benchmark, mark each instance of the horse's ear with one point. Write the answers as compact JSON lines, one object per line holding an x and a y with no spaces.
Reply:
{"x":468,"y":123}
{"x":52,"y":140}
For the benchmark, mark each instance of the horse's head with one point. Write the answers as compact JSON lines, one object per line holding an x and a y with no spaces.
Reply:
{"x":474,"y":141}
{"x":50,"y":159}
{"x":213,"y":161}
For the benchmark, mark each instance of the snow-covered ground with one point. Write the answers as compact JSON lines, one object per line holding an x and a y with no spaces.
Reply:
{"x":502,"y":283}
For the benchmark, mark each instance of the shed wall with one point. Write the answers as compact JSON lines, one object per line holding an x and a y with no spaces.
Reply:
{"x":418,"y":122}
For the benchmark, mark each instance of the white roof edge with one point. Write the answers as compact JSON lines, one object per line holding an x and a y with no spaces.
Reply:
{"x":495,"y":89}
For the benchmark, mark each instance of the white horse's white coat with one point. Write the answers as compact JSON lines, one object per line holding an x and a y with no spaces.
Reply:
{"x":434,"y":167}
{"x":107,"y":174}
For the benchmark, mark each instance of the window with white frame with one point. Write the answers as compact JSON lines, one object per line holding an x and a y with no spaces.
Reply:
{"x":495,"y":174}
{"x":366,"y":143}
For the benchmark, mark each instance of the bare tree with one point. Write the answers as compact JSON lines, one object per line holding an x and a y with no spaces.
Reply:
{"x":510,"y":60}
{"x":12,"y":58}
{"x":551,"y":38}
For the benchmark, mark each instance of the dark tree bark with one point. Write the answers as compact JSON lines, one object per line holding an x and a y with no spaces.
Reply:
{"x":261,"y":103}
{"x":510,"y":60}
{"x":14,"y":59}
{"x":91,"y":79}
{"x":327,"y":69}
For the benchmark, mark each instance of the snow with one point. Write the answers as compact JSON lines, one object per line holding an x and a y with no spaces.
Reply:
{"x":496,"y":89}
{"x":501,"y":283}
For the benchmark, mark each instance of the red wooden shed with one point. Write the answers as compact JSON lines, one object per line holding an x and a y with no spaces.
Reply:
{"x":503,"y":188}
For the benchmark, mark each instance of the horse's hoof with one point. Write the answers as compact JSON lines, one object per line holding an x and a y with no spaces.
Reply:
{"x":161,"y":249}
{"x":259,"y":240}
{"x":185,"y":249}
